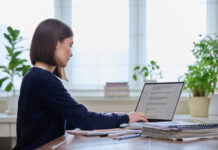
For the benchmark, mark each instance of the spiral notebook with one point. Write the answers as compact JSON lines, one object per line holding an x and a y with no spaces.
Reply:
{"x":183,"y":131}
{"x":194,"y":126}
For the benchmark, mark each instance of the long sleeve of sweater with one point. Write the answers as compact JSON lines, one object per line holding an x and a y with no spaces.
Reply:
{"x":55,"y":97}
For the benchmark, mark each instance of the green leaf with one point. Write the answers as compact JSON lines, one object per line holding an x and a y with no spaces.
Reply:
{"x":18,"y":69}
{"x":21,"y":61}
{"x":3,"y":67}
{"x":9,"y":87}
{"x":153,"y":62}
{"x":10,"y":51}
{"x":134,"y":77}
{"x":12,"y":64}
{"x":136,"y":68}
{"x":2,"y":81}
{"x":25,"y":69}
{"x":146,"y":74}
{"x":10,"y":30}
{"x":16,"y":62}
{"x":13,"y":32}
{"x":16,"y":34}
{"x":17,"y":53}
{"x":8,"y":38}
{"x":144,"y":69}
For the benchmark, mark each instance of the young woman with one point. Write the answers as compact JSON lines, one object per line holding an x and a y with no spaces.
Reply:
{"x":45,"y":108}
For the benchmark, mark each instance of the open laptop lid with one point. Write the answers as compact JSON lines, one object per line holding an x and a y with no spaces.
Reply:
{"x":158,"y":101}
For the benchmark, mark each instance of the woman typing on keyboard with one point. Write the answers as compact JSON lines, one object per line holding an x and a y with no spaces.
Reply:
{"x":45,"y":108}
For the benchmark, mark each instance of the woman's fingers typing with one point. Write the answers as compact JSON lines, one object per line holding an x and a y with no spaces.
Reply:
{"x":136,"y":117}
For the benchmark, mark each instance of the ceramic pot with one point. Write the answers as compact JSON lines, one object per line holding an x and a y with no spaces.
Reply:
{"x":198,"y":106}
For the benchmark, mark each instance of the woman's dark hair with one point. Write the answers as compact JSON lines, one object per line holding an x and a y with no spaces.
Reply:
{"x":44,"y":41}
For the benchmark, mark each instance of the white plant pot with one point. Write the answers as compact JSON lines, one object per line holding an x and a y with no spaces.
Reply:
{"x":198,"y":106}
{"x":12,"y":104}
{"x":213,"y":111}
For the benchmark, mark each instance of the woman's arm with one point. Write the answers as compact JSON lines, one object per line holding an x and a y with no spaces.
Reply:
{"x":56,"y":98}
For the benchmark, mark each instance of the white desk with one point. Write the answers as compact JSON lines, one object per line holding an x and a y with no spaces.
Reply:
{"x":7,"y":131}
{"x":7,"y":125}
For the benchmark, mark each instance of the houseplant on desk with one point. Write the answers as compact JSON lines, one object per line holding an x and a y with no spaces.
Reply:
{"x":16,"y":66}
{"x":146,"y":71}
{"x":201,"y":77}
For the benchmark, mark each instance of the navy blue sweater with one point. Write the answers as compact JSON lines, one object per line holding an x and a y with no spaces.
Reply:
{"x":46,"y":110}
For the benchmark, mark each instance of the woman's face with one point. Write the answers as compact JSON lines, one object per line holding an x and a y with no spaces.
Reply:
{"x":63,"y":52}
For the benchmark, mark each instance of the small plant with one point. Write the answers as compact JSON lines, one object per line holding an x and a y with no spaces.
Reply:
{"x":201,"y":77}
{"x":16,"y":65}
{"x":146,"y":70}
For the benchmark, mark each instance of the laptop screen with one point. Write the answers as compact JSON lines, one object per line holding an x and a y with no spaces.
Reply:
{"x":158,"y":101}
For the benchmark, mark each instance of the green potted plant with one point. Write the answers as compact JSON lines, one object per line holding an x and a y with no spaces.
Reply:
{"x":201,"y":78}
{"x":146,"y":71}
{"x":16,"y":66}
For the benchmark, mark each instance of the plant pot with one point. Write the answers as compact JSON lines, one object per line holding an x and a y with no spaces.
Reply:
{"x":213,"y":111}
{"x":12,"y":104}
{"x":198,"y":106}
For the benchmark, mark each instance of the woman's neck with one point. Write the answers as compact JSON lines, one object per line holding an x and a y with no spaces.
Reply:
{"x":44,"y":66}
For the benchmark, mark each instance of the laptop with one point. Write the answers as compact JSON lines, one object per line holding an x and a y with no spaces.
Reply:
{"x":158,"y":101}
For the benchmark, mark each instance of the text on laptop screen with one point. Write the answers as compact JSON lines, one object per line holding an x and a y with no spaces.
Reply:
{"x":159,"y":100}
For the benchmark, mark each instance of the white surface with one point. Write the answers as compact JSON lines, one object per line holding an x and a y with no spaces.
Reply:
{"x":4,"y":118}
{"x":7,"y":125}
{"x":4,"y":130}
{"x":13,"y":130}
{"x":213,"y":111}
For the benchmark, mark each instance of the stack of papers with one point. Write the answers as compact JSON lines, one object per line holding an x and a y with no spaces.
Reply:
{"x":176,"y":130}
{"x":175,"y":134}
{"x":141,"y":125}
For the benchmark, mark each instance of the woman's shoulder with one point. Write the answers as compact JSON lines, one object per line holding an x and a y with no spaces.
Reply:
{"x":41,"y":76}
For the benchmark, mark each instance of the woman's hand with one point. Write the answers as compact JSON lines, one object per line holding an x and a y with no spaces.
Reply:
{"x":136,"y":117}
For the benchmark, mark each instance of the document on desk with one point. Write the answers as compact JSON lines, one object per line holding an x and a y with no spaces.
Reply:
{"x":104,"y":132}
{"x":158,"y":125}
{"x":159,"y":101}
